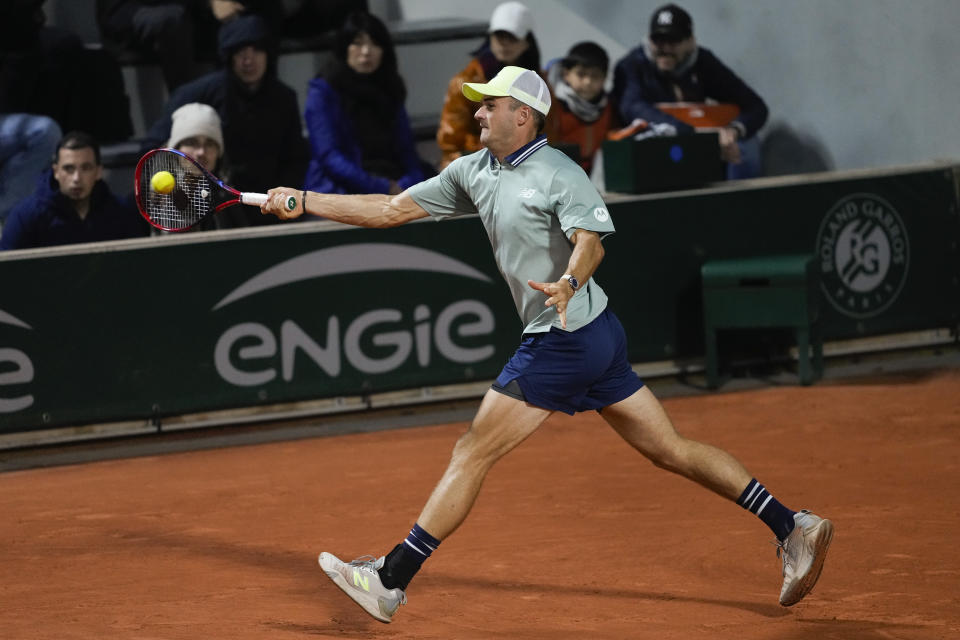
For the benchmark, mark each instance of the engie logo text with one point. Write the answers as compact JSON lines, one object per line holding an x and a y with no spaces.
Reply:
{"x":379,"y":340}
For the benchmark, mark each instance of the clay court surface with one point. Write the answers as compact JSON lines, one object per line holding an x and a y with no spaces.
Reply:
{"x":574,"y":535}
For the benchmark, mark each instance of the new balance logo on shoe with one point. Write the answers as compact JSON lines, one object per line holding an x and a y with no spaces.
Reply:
{"x":361,"y":581}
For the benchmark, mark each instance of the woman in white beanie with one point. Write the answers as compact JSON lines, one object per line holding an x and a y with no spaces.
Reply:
{"x":197,"y":132}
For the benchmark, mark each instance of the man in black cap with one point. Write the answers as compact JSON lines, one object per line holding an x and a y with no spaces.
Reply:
{"x":260,"y":115}
{"x":670,"y":67}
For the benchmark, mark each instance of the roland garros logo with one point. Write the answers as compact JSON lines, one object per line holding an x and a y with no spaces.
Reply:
{"x":864,"y":255}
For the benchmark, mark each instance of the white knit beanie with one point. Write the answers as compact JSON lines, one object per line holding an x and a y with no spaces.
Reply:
{"x":195,"y":119}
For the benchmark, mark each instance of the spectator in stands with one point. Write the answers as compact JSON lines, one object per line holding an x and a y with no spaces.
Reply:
{"x":584,"y":112}
{"x":510,"y":41}
{"x":260,"y":115}
{"x":197,"y":132}
{"x":162,"y":30}
{"x":27,"y":142}
{"x":360,"y":134}
{"x":671,"y":67}
{"x":72,"y":203}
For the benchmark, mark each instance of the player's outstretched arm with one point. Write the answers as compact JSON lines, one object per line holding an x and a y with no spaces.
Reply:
{"x":374,"y":210}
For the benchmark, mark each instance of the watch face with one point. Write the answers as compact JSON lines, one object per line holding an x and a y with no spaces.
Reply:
{"x":574,"y":282}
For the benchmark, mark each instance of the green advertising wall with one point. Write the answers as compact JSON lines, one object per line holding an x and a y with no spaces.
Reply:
{"x":168,"y":326}
{"x":887,"y":246}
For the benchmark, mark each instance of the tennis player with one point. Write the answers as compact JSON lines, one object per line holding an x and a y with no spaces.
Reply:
{"x":545,"y":221}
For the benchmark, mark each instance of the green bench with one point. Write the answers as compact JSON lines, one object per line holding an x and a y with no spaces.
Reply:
{"x":764,"y":292}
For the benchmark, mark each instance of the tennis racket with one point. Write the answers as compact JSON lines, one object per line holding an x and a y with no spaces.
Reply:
{"x":194,"y":193}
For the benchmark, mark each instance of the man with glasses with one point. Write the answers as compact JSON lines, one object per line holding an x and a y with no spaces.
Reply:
{"x":670,"y":67}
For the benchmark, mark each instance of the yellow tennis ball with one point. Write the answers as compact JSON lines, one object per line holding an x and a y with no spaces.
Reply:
{"x":162,"y":182}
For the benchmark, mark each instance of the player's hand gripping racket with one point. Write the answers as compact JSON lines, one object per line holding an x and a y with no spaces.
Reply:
{"x":174,"y":193}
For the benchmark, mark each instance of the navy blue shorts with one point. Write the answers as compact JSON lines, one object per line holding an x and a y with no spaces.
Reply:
{"x":572,"y":371}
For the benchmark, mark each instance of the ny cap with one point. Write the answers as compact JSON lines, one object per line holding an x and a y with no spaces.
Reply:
{"x":671,"y":21}
{"x":524,"y":85}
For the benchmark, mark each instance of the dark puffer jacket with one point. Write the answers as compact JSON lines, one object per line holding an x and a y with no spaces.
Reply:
{"x":47,"y":218}
{"x":262,"y":131}
{"x":638,"y":85}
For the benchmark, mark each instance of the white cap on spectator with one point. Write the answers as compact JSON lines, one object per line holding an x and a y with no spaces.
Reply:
{"x":195,"y":119}
{"x":512,"y":17}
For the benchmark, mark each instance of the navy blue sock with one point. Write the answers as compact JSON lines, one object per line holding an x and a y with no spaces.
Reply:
{"x":758,"y":501}
{"x":401,"y":564}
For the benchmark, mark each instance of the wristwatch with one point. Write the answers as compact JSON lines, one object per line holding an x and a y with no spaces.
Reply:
{"x":574,"y":283}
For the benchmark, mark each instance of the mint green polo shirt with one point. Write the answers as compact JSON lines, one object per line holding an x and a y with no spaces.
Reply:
{"x":530,"y":206}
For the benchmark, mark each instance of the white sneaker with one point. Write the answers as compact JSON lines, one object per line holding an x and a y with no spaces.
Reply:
{"x":359,"y":580}
{"x":803,"y":553}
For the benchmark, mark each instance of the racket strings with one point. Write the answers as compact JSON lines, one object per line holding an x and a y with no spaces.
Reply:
{"x":189,"y":201}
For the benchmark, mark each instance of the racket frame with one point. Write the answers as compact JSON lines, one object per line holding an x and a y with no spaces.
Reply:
{"x":141,"y":187}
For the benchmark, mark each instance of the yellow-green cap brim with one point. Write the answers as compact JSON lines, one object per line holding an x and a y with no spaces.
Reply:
{"x":477,"y":91}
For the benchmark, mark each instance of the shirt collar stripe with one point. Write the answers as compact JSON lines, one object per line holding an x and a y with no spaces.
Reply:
{"x":526,"y":151}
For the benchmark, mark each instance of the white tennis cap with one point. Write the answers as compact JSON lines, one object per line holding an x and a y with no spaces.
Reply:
{"x":512,"y":17}
{"x":524,"y":85}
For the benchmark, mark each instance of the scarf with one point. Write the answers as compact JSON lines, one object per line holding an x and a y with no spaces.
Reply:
{"x":586,"y":110}
{"x":372,"y":102}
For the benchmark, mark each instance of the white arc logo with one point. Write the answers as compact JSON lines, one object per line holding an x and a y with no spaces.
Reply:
{"x":351,"y":258}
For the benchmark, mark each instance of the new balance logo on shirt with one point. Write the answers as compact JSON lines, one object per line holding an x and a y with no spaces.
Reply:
{"x":527,"y":193}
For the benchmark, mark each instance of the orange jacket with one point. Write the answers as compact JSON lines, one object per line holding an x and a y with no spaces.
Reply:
{"x":565,"y":127}
{"x":458,"y":133}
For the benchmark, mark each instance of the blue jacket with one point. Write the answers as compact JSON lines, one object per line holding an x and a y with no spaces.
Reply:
{"x":47,"y":218}
{"x":336,"y":165}
{"x":638,"y":85}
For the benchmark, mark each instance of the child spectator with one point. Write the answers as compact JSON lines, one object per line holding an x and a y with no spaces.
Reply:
{"x":584,"y":112}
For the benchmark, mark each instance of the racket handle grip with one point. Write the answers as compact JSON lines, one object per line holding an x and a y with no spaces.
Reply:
{"x":256,"y":199}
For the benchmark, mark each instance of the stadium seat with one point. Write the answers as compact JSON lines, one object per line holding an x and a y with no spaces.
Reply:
{"x":764,"y":292}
